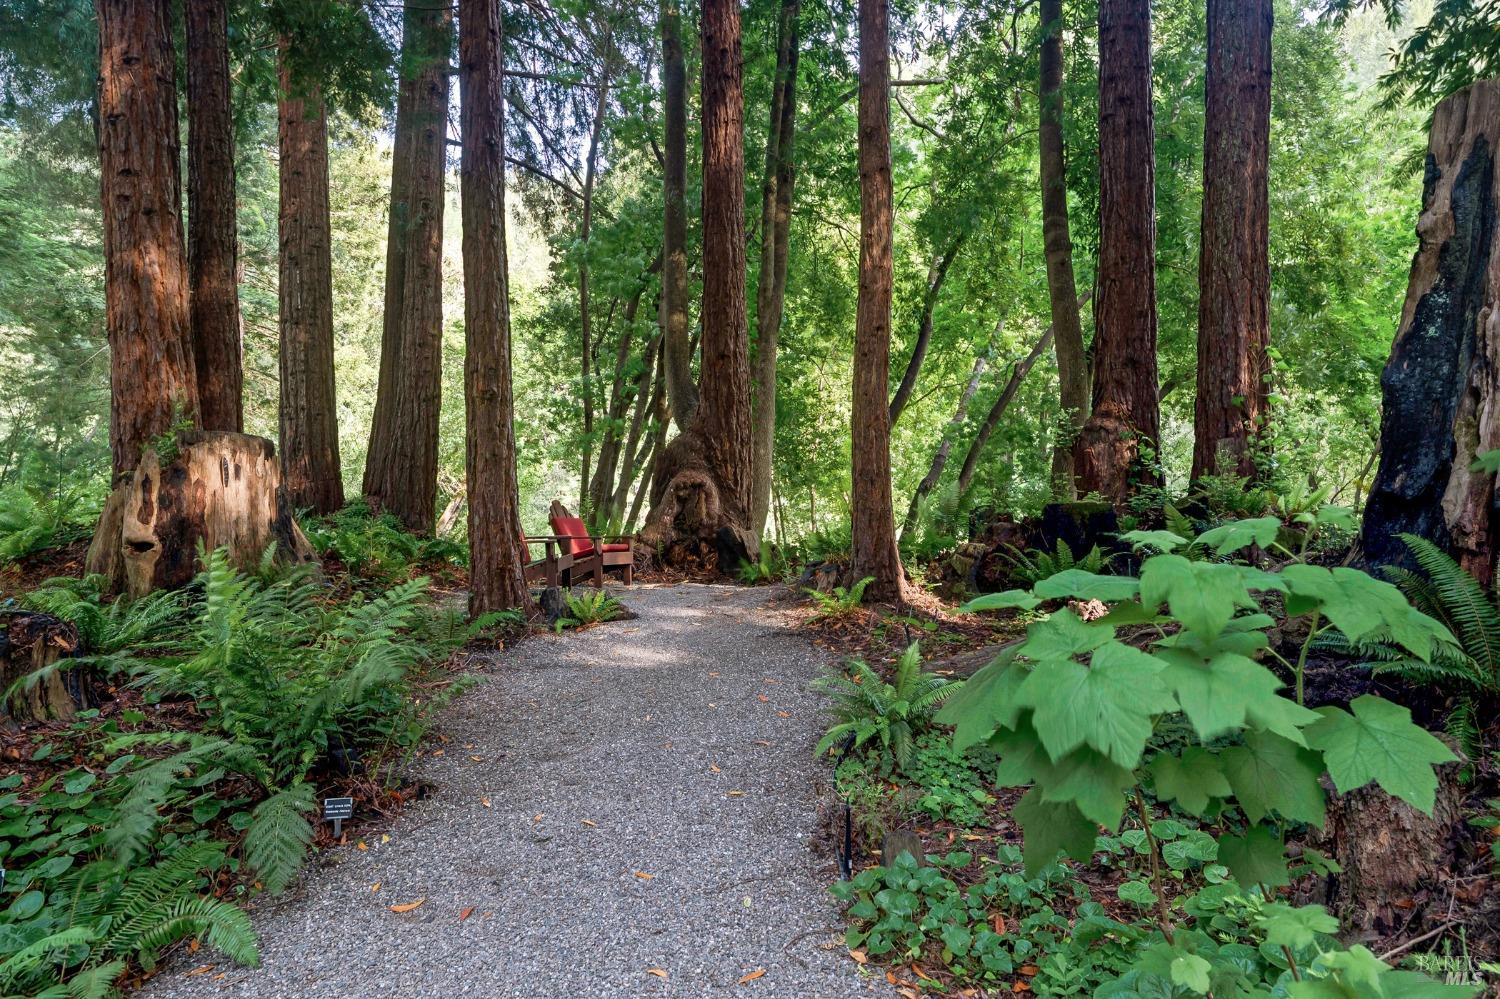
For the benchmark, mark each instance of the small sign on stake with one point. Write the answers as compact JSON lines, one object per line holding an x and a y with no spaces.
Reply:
{"x":336,"y":810}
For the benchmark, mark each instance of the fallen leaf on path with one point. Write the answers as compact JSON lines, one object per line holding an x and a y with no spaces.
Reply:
{"x":1029,"y":970}
{"x":713,"y":674}
{"x":761,"y":742}
{"x":644,"y":876}
{"x":783,"y":714}
{"x":908,"y":993}
{"x":735,"y":794}
{"x":770,"y":680}
{"x":752,"y":976}
{"x":465,"y":912}
{"x":1020,"y":987}
{"x":860,"y":956}
{"x":375,"y":886}
{"x":384,"y":838}
{"x":202,"y":969}
{"x":658,"y":972}
{"x":477,"y":759}
{"x":591,"y":823}
{"x":761,"y":697}
{"x":485,"y":802}
{"x":713,"y":768}
{"x":538,"y":817}
{"x":407,"y":906}
{"x":437,"y":752}
{"x":361,"y":845}
{"x":193,"y":946}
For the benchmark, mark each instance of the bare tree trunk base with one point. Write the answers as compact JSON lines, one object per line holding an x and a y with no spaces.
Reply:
{"x":687,"y":524}
{"x":1106,"y":454}
{"x":30,"y":643}
{"x":218,"y":490}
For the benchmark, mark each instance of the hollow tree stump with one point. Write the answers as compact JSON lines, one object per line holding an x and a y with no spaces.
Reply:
{"x":217,"y":489}
{"x":30,"y":643}
{"x":1441,"y":385}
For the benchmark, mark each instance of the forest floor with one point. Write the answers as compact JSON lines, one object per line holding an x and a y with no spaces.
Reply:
{"x":622,"y":811}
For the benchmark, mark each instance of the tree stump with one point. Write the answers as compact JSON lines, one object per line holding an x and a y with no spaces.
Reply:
{"x":29,"y":643}
{"x":1440,"y":385}
{"x":690,"y":522}
{"x":217,"y":489}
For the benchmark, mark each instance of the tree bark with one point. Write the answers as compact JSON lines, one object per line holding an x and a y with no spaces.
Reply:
{"x":216,"y":489}
{"x":1115,"y":452}
{"x":308,"y":413}
{"x":1234,"y":270}
{"x":585,"y":316}
{"x":1067,"y":337}
{"x":775,"y":223}
{"x":153,"y":378}
{"x":497,"y":551}
{"x":937,"y":274}
{"x":700,"y":494}
{"x":602,"y":478}
{"x":682,"y":390}
{"x":401,"y":471}
{"x":872,"y":514}
{"x":213,"y":241}
{"x":647,"y":388}
{"x":1440,"y":386}
{"x":29,"y":645}
{"x":945,"y":446}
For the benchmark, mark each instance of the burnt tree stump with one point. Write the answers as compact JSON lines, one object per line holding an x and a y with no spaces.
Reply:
{"x":29,"y":643}
{"x":1440,"y":385}
{"x":217,"y":489}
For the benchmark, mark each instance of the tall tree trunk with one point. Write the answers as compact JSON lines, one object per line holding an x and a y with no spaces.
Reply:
{"x":495,"y":539}
{"x":1116,"y":448}
{"x":648,"y":392}
{"x":1440,"y":391}
{"x":585,"y":316}
{"x":1234,"y":271}
{"x":700,"y":494}
{"x":213,"y":242}
{"x":945,"y":446}
{"x":602,"y":478}
{"x":152,"y":375}
{"x":872,"y":515}
{"x":937,"y":274}
{"x":383,"y":435}
{"x":1067,"y":336}
{"x":682,"y":390}
{"x":775,"y":221}
{"x":309,"y":416}
{"x":401,"y":471}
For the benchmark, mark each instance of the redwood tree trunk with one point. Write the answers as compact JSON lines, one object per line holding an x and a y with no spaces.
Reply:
{"x":1234,"y":271}
{"x":872,"y":515}
{"x":937,"y":274}
{"x":701,"y":488}
{"x":401,"y":473}
{"x":682,"y":391}
{"x":309,"y":416}
{"x":775,"y":221}
{"x":498,"y":552}
{"x":213,"y":243}
{"x":1067,"y":335}
{"x":1116,"y":448}
{"x":153,"y":379}
{"x":1440,"y":386}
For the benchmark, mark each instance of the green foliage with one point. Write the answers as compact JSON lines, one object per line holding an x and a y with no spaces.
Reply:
{"x":770,"y":567}
{"x":1471,"y":669}
{"x":588,"y":606}
{"x":843,"y":602}
{"x":1034,"y":566}
{"x":892,"y":714}
{"x":376,"y":548}
{"x":949,"y":785}
{"x":32,"y":521}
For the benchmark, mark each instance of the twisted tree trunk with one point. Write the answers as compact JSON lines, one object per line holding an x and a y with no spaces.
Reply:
{"x":213,"y":242}
{"x":1116,"y":448}
{"x":1234,"y":271}
{"x":1441,"y":386}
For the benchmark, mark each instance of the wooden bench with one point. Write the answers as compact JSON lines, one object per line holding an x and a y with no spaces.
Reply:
{"x":553,"y":567}
{"x":594,"y":554}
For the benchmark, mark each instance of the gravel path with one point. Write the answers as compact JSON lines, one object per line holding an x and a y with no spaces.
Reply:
{"x":636,"y":796}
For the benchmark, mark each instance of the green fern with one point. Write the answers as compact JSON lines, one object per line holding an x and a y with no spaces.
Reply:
{"x":279,"y":836}
{"x":843,"y":602}
{"x":589,"y":607}
{"x":1033,"y":567}
{"x":891,"y":714}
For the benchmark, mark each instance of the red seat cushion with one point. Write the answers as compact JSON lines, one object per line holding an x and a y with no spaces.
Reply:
{"x":616,"y":547}
{"x":578,"y":536}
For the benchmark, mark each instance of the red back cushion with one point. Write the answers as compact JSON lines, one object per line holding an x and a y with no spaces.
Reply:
{"x":578,"y":536}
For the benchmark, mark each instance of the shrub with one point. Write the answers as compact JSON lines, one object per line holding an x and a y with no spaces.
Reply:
{"x":589,"y":606}
{"x":842,"y":603}
{"x":891,"y":714}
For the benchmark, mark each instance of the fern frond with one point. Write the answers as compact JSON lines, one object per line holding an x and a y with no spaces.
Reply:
{"x":277,"y":841}
{"x":1465,"y":602}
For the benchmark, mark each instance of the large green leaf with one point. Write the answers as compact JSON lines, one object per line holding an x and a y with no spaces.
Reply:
{"x":1238,"y":534}
{"x":1082,"y":585}
{"x":1001,"y":601}
{"x":1379,"y":742}
{"x":1164,"y":541}
{"x":1359,"y":604}
{"x":1202,"y":595}
{"x":1063,"y":634}
{"x":1255,"y":858}
{"x":1107,"y":705}
{"x":1190,"y":779}
{"x":985,"y":703}
{"x":1049,"y":828}
{"x":1094,"y":784}
{"x":1272,"y":774}
{"x":1216,"y":695}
